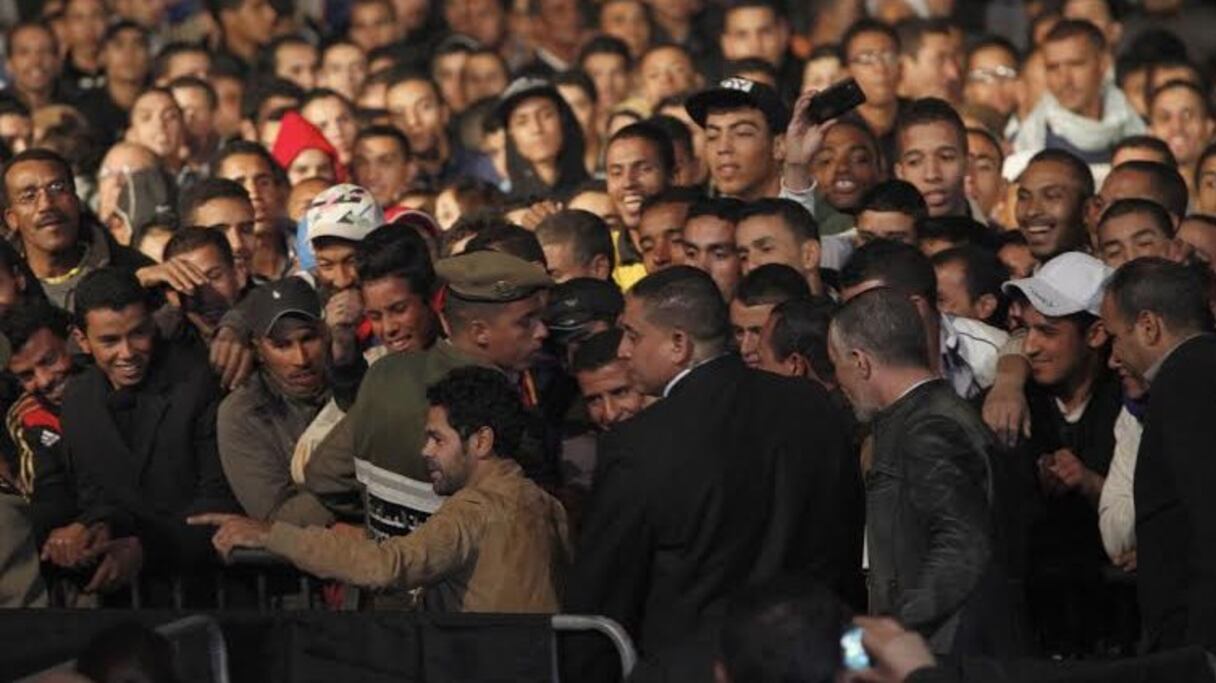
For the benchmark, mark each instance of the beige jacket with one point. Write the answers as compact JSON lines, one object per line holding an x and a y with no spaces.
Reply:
{"x":500,"y":544}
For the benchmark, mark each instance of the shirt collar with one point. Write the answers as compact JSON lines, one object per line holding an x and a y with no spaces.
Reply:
{"x":1155,"y":369}
{"x":685,"y":372}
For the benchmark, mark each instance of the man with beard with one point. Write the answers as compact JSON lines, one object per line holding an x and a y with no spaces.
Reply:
{"x":652,"y":554}
{"x":492,"y":312}
{"x":259,"y":423}
{"x":498,"y":543}
{"x":1158,"y":315}
{"x":935,"y":564}
{"x":139,"y":430}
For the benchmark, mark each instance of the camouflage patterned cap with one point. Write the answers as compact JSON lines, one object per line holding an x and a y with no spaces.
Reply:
{"x":491,"y":276}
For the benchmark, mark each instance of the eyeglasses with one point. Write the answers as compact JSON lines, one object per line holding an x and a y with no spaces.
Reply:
{"x":53,"y":189}
{"x":992,"y":74}
{"x":874,"y":58}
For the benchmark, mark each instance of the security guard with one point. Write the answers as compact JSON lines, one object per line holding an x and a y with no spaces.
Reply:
{"x":491,"y":310}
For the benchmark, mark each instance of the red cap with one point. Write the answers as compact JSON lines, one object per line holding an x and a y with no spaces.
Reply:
{"x":296,"y":134}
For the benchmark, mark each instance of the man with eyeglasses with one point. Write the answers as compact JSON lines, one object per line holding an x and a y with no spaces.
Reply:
{"x":991,"y":78}
{"x":60,"y":242}
{"x":871,"y":53}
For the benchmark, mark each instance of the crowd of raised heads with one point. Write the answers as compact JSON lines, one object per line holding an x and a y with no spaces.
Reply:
{"x":749,"y":325}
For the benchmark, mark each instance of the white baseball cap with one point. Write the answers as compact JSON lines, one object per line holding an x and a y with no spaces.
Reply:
{"x":1069,"y":283}
{"x":346,"y":211}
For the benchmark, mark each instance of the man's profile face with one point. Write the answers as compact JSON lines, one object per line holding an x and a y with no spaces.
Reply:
{"x":933,"y":157}
{"x":42,"y":365}
{"x":515,"y":332}
{"x":43,"y":207}
{"x":1050,"y":209}
{"x":987,"y":186}
{"x":1128,"y":350}
{"x":746,"y":324}
{"x":953,"y":298}
{"x":741,"y":152}
{"x":445,"y":453}
{"x":646,"y":348}
{"x":1075,"y":69}
{"x":120,"y":342}
{"x":610,"y":395}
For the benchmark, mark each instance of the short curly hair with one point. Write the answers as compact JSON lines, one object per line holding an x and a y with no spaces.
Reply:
{"x":476,"y":397}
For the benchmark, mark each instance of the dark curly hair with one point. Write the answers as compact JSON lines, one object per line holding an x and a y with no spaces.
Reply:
{"x":476,"y":397}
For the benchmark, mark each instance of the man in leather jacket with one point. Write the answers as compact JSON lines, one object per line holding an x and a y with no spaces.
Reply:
{"x":932,"y":535}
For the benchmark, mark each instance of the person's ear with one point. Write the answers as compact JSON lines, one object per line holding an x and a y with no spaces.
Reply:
{"x":249,"y":132}
{"x":779,"y":146}
{"x":600,"y":267}
{"x":862,"y":361}
{"x":81,"y":339}
{"x":481,"y":444}
{"x":720,"y":674}
{"x":479,"y":332}
{"x":797,"y":366}
{"x":19,"y":277}
{"x":985,"y":306}
{"x":811,"y":253}
{"x":1096,"y":336}
{"x":682,"y":347}
{"x":1148,"y":328}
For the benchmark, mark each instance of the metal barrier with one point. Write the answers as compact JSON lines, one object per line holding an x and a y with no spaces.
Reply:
{"x":602,"y":625}
{"x":207,"y":663}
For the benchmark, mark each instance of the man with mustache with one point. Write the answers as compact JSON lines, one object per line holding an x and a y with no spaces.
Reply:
{"x":492,"y":306}
{"x":60,"y":244}
{"x":259,"y":423}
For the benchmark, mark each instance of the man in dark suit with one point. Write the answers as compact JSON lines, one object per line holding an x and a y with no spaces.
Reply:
{"x":735,"y":476}
{"x":1157,"y":314}
{"x":139,"y":429}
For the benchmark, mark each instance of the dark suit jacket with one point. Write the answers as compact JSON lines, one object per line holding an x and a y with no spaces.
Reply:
{"x":737,"y":476}
{"x":147,"y":482}
{"x":1175,"y":506}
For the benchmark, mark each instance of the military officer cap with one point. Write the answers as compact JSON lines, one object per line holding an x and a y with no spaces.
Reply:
{"x":491,"y":277}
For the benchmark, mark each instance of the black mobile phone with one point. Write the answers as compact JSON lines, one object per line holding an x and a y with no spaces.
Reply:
{"x":836,"y":100}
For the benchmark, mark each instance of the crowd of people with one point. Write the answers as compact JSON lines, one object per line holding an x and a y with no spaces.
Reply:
{"x":561,"y":306}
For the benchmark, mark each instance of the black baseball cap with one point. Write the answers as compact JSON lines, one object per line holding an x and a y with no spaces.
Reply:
{"x":268,"y":303}
{"x":520,"y":88}
{"x":576,"y":303}
{"x":739,"y":93}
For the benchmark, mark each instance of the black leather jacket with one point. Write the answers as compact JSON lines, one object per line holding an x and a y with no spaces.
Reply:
{"x":929,"y":510}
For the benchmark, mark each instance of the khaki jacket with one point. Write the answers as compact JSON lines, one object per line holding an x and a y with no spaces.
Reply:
{"x":500,"y":544}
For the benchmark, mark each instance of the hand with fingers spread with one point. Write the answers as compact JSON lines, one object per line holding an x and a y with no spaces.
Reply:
{"x":178,"y":273}
{"x":895,"y":652}
{"x":231,"y":357}
{"x":233,"y":531}
{"x":121,"y":560}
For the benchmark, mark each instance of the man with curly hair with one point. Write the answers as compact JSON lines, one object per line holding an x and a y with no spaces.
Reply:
{"x":498,"y":543}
